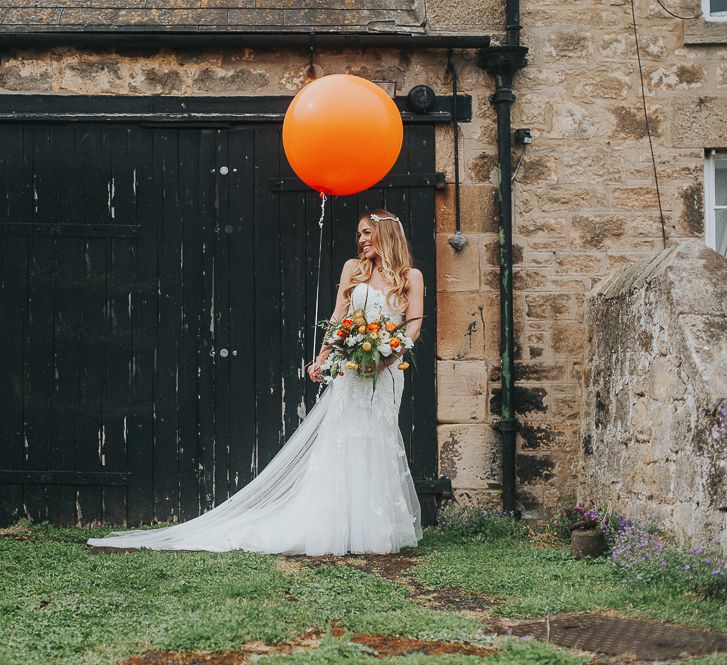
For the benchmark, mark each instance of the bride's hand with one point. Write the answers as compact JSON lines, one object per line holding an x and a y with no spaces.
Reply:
{"x":314,"y":372}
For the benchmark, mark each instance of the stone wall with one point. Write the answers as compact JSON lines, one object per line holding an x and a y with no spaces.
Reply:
{"x":657,"y":373}
{"x":584,"y":194}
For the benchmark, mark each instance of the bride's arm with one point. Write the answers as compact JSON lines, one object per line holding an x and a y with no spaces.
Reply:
{"x":415,"y":309}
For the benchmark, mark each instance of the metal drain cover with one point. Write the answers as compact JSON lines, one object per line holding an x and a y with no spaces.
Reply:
{"x":615,"y":637}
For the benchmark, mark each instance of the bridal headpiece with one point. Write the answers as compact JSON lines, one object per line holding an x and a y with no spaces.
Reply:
{"x":379,"y":218}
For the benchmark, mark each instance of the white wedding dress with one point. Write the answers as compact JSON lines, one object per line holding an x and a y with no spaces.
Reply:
{"x":341,"y":483}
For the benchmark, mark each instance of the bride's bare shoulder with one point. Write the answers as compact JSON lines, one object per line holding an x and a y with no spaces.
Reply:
{"x":415,"y":277}
{"x":349,"y":266}
{"x":347,"y":271}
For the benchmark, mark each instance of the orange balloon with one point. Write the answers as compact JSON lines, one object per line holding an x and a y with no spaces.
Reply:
{"x":342,"y":134}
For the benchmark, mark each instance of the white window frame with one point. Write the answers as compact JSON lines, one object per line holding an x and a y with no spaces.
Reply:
{"x":709,"y":15}
{"x":710,"y":199}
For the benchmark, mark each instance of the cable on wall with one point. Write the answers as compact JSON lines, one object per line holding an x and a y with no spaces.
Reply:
{"x":648,"y":129}
{"x":458,"y":240}
{"x":671,"y":13}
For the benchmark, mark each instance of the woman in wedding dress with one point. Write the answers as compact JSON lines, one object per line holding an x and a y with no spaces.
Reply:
{"x":341,"y":483}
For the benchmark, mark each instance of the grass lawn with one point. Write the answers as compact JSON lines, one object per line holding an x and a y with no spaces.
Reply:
{"x":63,"y":603}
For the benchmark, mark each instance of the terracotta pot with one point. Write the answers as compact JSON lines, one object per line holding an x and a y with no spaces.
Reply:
{"x":587,"y":542}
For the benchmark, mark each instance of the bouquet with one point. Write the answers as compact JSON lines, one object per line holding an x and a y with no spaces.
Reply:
{"x":358,"y":345}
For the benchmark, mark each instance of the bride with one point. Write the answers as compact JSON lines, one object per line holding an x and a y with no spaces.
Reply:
{"x":341,"y":483}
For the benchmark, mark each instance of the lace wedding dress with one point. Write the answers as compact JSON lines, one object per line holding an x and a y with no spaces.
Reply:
{"x":341,"y":483}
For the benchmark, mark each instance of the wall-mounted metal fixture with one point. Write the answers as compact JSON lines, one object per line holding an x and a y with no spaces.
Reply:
{"x":389,"y":87}
{"x":523,"y":136}
{"x":421,"y":98}
{"x":458,"y":241}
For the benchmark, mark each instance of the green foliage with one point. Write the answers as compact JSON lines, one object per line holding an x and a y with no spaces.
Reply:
{"x":644,"y":554}
{"x":526,"y":581}
{"x":61,"y":602}
{"x":478,"y":524}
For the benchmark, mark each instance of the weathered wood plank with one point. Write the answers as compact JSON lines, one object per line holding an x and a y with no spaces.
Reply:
{"x":57,"y":479}
{"x":242,"y":306}
{"x":39,"y":346}
{"x":206,"y":360}
{"x":140,"y":422}
{"x":66,"y":293}
{"x":221,"y":192}
{"x":69,"y":230}
{"x":13,"y":314}
{"x":189,"y":395}
{"x":166,"y":444}
{"x":266,"y":240}
{"x":120,"y":266}
{"x":295,"y":326}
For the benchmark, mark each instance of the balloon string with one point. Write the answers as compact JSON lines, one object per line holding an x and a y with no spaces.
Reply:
{"x":318,"y":277}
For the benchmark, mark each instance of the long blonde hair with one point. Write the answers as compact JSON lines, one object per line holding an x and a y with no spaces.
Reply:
{"x":396,"y":259}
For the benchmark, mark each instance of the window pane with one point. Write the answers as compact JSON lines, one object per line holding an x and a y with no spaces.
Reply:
{"x":717,"y":6}
{"x":721,"y":232}
{"x":720,"y":182}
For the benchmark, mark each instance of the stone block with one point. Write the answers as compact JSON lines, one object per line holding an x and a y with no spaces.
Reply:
{"x":689,"y":205}
{"x":527,"y":400}
{"x":629,"y":123}
{"x":538,"y":170}
{"x":579,"y":264}
{"x":591,"y":165}
{"x":478,"y":209}
{"x":564,"y":402}
{"x":524,"y":279}
{"x":490,"y":253}
{"x":573,"y":121}
{"x":563,"y":198}
{"x":568,"y":338}
{"x":156,"y":81}
{"x":699,"y":121}
{"x":92,"y":76}
{"x":484,"y":167}
{"x":460,"y":326}
{"x":604,"y":82}
{"x":541,"y":226}
{"x":571,"y":284}
{"x":488,"y":499}
{"x":530,"y":371}
{"x":550,"y":306}
{"x":534,"y":469}
{"x":469,"y":455}
{"x":571,"y":45}
{"x":461,"y":391}
{"x":35,"y":77}
{"x":681,"y":76}
{"x":530,"y":110}
{"x":219,"y":81}
{"x":457,"y":270}
{"x":634,"y":198}
{"x":597,"y":231}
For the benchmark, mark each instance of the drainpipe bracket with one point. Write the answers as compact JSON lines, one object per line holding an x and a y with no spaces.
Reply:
{"x":501,"y":95}
{"x":506,"y":425}
{"x":503,"y":59}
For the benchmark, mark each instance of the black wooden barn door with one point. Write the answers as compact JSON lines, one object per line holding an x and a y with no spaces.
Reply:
{"x":157,"y":298}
